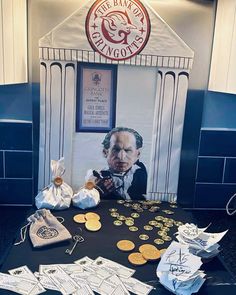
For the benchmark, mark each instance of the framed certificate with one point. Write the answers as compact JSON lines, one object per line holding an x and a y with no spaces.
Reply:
{"x":96,"y":97}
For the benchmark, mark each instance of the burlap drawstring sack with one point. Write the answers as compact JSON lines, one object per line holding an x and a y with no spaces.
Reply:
{"x":58,"y":194}
{"x":44,"y":230}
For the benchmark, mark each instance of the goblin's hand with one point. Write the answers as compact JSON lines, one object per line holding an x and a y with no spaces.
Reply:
{"x":106,"y":185}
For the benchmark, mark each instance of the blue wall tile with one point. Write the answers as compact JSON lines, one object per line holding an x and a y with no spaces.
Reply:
{"x":210,"y":170}
{"x":230,"y":171}
{"x":16,"y":191}
{"x":219,"y":110}
{"x":15,"y":136}
{"x":213,"y":195}
{"x":218,"y":143}
{"x":190,"y":145}
{"x":18,"y":164}
{"x":16,"y":102}
{"x":1,"y":164}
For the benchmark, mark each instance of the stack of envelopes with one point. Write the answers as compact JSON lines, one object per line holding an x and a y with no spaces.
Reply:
{"x":201,"y":243}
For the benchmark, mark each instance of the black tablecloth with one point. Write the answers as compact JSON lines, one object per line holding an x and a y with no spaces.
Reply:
{"x":103,"y":243}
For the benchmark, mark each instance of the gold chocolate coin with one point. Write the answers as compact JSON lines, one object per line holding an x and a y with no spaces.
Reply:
{"x":112,"y":209}
{"x":159,"y":225}
{"x":143,"y":237}
{"x":151,"y":254}
{"x":159,"y":218}
{"x":148,"y":227}
{"x":58,"y":181}
{"x":114,"y":214}
{"x":117,"y":222}
{"x":120,"y":201}
{"x":129,"y":222}
{"x":168,"y":224}
{"x":121,"y":217}
{"x":133,"y":228}
{"x":153,"y":222}
{"x":178,"y":223}
{"x":127,"y":205}
{"x":161,"y":233}
{"x":173,"y":206}
{"x":165,"y":229}
{"x":125,"y":245}
{"x":158,"y":241}
{"x":139,"y":210}
{"x":130,"y":218}
{"x":169,"y":212}
{"x":164,"y":210}
{"x":92,"y":215}
{"x":136,"y":258}
{"x":135,"y":205}
{"x":93,"y":225}
{"x":135,"y":215}
{"x":79,"y":218}
{"x":146,"y":247}
{"x":154,"y":209}
{"x":172,"y":202}
{"x":166,"y":238}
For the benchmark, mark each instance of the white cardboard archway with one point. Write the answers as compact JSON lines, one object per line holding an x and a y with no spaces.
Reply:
{"x":67,"y":44}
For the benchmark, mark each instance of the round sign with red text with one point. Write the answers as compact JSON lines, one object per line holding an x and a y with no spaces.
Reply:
{"x":117,"y":29}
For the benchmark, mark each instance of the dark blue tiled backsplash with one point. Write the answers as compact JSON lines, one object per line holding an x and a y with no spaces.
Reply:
{"x":18,"y":164}
{"x":216,"y":169}
{"x":230,"y":170}
{"x":15,"y":136}
{"x":1,"y":165}
{"x":16,"y":173}
{"x":218,"y":143}
{"x":210,"y":170}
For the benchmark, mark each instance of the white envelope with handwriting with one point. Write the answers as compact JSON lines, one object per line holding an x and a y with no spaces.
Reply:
{"x":179,"y":262}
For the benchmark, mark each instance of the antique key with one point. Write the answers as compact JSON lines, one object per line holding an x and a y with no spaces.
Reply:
{"x":77,"y":239}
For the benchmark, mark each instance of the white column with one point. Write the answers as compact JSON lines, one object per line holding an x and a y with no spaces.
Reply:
{"x":57,"y":99}
{"x":223,"y":63}
{"x":167,"y":134}
{"x":13,"y":40}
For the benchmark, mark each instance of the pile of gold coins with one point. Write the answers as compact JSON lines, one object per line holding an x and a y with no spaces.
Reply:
{"x":160,"y":223}
{"x":147,"y":252}
{"x":90,"y":219}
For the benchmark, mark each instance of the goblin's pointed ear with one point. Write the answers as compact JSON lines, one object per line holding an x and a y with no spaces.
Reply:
{"x":105,"y":153}
{"x":139,"y":151}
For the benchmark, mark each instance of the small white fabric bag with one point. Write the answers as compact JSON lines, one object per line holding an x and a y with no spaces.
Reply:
{"x":58,"y":194}
{"x":87,"y":196}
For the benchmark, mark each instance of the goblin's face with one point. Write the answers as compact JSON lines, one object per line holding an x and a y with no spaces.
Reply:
{"x":122,"y":153}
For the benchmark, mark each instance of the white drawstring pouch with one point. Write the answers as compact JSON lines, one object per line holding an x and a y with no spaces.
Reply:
{"x":88,"y":196}
{"x":58,"y":194}
{"x":45,"y":229}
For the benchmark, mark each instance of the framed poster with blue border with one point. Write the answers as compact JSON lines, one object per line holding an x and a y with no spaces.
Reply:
{"x":96,"y":97}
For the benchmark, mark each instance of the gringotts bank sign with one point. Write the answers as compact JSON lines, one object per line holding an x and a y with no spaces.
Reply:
{"x":117,"y":29}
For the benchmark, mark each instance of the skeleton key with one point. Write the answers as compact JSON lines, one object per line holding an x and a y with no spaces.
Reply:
{"x":77,"y":239}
